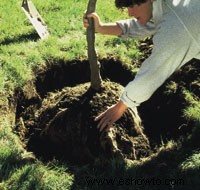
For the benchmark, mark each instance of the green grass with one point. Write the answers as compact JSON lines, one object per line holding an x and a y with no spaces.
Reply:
{"x":21,"y":48}
{"x":21,"y":51}
{"x":36,"y":176}
{"x":193,"y":110}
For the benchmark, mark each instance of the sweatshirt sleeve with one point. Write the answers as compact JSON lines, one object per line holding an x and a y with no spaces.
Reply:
{"x":133,"y":29}
{"x":172,"y":48}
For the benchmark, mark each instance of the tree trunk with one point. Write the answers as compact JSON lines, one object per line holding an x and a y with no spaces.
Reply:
{"x":92,"y":56}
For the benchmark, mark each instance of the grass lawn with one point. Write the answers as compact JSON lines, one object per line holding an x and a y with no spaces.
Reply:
{"x":22,"y":54}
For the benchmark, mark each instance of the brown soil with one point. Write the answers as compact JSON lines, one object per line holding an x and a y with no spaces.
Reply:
{"x":55,"y":115}
{"x":61,"y":123}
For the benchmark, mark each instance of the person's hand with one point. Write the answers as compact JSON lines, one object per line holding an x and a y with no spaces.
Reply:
{"x":111,"y":115}
{"x":97,"y":21}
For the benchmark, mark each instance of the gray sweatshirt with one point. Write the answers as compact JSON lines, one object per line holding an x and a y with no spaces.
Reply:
{"x":175,"y":27}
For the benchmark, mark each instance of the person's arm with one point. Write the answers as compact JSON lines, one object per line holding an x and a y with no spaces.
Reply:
{"x":110,"y":29}
{"x":102,"y":28}
{"x":173,"y":47}
{"x":122,"y":28}
{"x":112,"y":114}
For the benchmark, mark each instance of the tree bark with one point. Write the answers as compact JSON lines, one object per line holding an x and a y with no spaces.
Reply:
{"x":95,"y":76}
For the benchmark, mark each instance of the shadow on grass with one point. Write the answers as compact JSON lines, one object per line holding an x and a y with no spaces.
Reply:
{"x":10,"y":163}
{"x":161,"y":171}
{"x":33,"y":36}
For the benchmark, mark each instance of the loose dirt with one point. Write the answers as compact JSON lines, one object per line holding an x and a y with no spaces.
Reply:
{"x":55,"y":114}
{"x":59,"y":121}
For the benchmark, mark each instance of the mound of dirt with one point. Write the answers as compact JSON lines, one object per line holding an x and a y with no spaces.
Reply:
{"x":55,"y":116}
{"x":64,"y":125}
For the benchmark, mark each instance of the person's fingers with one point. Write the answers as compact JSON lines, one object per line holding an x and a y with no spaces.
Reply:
{"x":105,"y":126}
{"x":99,"y":116}
{"x":102,"y":114}
{"x":85,"y":23}
{"x":90,"y":16}
{"x":85,"y":20}
{"x":102,"y":127}
{"x":111,"y":115}
{"x":103,"y":121}
{"x":93,"y":15}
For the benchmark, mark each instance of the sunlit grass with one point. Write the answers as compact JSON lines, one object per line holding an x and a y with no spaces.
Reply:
{"x":21,"y":50}
{"x":36,"y":176}
{"x":192,"y":162}
{"x":192,"y":112}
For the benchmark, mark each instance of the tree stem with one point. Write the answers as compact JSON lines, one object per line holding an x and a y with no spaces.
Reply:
{"x":95,"y":76}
